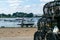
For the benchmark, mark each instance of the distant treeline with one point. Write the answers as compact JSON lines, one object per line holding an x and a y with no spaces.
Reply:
{"x":17,"y":14}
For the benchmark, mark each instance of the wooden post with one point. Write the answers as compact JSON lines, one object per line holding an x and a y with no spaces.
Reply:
{"x":22,"y":22}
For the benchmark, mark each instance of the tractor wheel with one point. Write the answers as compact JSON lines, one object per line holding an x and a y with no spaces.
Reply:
{"x":37,"y":36}
{"x":50,"y":36}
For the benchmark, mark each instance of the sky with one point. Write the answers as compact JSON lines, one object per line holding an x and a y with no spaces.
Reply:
{"x":27,"y":6}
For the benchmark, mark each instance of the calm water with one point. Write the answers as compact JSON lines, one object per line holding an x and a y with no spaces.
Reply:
{"x":12,"y":22}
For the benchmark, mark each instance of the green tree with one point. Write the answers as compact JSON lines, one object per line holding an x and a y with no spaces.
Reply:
{"x":30,"y":15}
{"x":9,"y":15}
{"x":19,"y":14}
{"x":3,"y":15}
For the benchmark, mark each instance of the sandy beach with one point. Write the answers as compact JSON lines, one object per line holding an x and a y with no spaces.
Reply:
{"x":17,"y":33}
{"x":16,"y":38}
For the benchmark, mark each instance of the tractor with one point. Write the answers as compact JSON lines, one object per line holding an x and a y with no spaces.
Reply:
{"x":49,"y":23}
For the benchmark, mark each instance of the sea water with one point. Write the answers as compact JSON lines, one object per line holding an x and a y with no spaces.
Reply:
{"x":13,"y":22}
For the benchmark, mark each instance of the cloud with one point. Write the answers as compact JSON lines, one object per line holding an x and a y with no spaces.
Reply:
{"x":22,"y":6}
{"x":26,"y":0}
{"x":28,"y":6}
{"x":14,"y":2}
{"x":34,"y":8}
{"x":46,"y":0}
{"x":14,"y":5}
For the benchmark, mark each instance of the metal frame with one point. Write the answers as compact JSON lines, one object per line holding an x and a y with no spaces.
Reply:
{"x":46,"y":8}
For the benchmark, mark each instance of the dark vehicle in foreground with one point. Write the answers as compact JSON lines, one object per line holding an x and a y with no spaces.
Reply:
{"x":49,"y":24}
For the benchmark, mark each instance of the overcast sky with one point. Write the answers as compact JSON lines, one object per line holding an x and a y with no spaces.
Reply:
{"x":28,"y":6}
